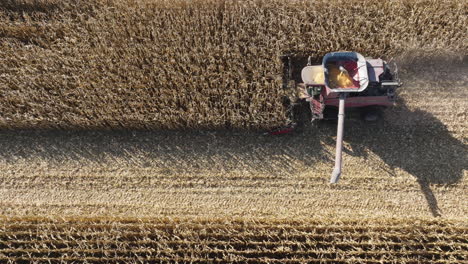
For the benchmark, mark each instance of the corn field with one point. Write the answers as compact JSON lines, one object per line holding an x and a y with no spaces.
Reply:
{"x":190,"y":64}
{"x":169,"y":240}
{"x":100,"y":161}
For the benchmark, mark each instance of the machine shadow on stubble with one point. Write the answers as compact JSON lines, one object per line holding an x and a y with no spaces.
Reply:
{"x":178,"y":151}
{"x":424,"y":149}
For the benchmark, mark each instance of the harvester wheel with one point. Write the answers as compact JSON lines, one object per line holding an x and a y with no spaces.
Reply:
{"x":371,"y":114}
{"x":371,"y":117}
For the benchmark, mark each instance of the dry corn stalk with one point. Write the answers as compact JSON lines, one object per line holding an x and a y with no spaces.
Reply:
{"x":204,"y":63}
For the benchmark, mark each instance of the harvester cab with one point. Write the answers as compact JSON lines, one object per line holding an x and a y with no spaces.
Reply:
{"x":342,"y":80}
{"x":313,"y":77}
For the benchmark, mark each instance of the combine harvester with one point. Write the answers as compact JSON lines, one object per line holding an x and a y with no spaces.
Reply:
{"x":343,"y":80}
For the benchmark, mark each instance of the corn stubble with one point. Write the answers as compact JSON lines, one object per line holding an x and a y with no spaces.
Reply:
{"x":189,"y":64}
{"x":169,"y":240}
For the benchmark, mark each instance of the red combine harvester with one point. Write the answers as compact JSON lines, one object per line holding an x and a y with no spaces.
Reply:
{"x":342,"y":80}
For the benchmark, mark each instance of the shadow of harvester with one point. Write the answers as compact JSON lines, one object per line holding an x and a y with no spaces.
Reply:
{"x":417,"y":142}
{"x":28,"y":7}
{"x":177,"y":151}
{"x":412,"y":140}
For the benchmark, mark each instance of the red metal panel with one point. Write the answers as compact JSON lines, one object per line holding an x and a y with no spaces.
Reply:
{"x":360,"y":101}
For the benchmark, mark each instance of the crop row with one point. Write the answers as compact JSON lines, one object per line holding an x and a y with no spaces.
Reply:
{"x":207,"y":63}
{"x":195,"y":240}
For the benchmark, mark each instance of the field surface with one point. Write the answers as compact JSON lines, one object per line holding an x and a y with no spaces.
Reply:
{"x":235,"y":196}
{"x":91,"y":172}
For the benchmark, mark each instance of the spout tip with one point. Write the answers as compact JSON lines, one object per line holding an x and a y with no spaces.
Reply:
{"x":335,"y":175}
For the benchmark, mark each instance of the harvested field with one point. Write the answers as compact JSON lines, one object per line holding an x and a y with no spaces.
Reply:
{"x":190,"y":64}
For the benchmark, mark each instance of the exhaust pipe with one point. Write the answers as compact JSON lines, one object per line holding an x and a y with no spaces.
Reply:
{"x":339,"y":140}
